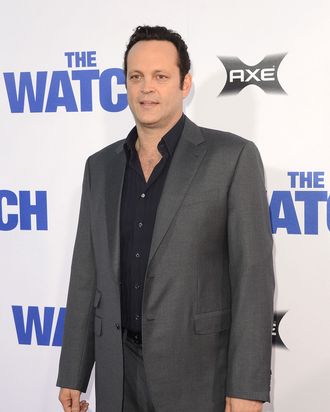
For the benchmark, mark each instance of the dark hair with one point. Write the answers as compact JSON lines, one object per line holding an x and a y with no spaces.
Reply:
{"x":161,"y":33}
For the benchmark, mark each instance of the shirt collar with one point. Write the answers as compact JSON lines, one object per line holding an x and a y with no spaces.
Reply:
{"x":167,"y":144}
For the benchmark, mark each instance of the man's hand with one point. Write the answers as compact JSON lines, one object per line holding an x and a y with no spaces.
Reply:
{"x":242,"y":405}
{"x":70,"y":400}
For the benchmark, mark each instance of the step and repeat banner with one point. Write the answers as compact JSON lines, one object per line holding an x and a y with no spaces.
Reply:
{"x":260,"y":69}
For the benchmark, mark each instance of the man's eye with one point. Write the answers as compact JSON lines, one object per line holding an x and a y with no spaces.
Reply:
{"x":135,"y":77}
{"x":161,"y":77}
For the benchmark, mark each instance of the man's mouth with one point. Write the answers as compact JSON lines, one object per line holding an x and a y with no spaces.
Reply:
{"x":148,"y":103}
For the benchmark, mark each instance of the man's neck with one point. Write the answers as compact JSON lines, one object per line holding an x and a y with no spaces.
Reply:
{"x":149,"y":137}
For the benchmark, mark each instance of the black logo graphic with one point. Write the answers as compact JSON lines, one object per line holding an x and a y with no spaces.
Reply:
{"x":263,"y":74}
{"x":276,"y":338}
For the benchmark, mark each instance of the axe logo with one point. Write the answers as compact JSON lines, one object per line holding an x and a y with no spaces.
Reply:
{"x":263,"y":74}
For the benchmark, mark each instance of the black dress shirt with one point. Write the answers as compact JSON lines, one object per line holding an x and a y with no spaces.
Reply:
{"x":139,"y":205}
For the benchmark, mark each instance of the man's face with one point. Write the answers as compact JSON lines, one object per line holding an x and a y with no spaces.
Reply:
{"x":153,"y":84}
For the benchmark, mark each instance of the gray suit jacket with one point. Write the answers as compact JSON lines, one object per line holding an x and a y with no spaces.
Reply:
{"x":208,"y":298}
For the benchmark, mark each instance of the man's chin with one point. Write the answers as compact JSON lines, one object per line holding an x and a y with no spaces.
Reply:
{"x":150,"y":123}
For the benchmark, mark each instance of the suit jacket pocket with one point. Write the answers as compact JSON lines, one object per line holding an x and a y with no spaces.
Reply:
{"x":97,"y":326}
{"x":212,"y":322}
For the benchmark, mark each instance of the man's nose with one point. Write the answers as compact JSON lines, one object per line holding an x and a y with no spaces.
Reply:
{"x":147,"y":86}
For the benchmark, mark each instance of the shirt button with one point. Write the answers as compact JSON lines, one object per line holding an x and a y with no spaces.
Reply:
{"x":143,"y":195}
{"x":140,"y":224}
{"x":137,"y":286}
{"x":117,"y":325}
{"x":137,"y":255}
{"x":137,"y":317}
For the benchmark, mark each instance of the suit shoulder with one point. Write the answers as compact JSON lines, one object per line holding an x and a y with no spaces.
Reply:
{"x":106,"y":153}
{"x":233,"y":146}
{"x":219,"y":141}
{"x":224,"y":138}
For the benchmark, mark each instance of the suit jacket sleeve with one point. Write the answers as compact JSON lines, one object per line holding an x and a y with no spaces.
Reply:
{"x":77,"y":356}
{"x":251,"y":278}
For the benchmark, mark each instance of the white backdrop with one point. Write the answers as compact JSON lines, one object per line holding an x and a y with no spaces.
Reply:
{"x":46,"y":137}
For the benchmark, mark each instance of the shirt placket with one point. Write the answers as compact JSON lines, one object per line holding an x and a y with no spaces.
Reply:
{"x":139,"y":253}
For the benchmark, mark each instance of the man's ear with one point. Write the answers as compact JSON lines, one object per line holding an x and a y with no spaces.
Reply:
{"x":186,"y":86}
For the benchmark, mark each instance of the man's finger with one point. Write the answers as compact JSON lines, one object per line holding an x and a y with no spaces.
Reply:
{"x":69,"y":399}
{"x":65,"y":399}
{"x":75,"y":402}
{"x":66,"y":405}
{"x":228,"y":408}
{"x":84,"y":406}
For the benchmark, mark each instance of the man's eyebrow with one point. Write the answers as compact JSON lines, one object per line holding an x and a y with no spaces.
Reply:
{"x":134,"y":71}
{"x":140,"y":72}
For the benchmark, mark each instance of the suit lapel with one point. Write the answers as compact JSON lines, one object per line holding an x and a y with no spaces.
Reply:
{"x":186,"y":160}
{"x":114,"y":185}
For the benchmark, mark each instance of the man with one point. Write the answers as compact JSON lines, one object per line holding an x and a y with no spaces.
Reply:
{"x":172,"y":283}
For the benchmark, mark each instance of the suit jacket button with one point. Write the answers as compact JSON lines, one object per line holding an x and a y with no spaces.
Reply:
{"x":117,"y":325}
